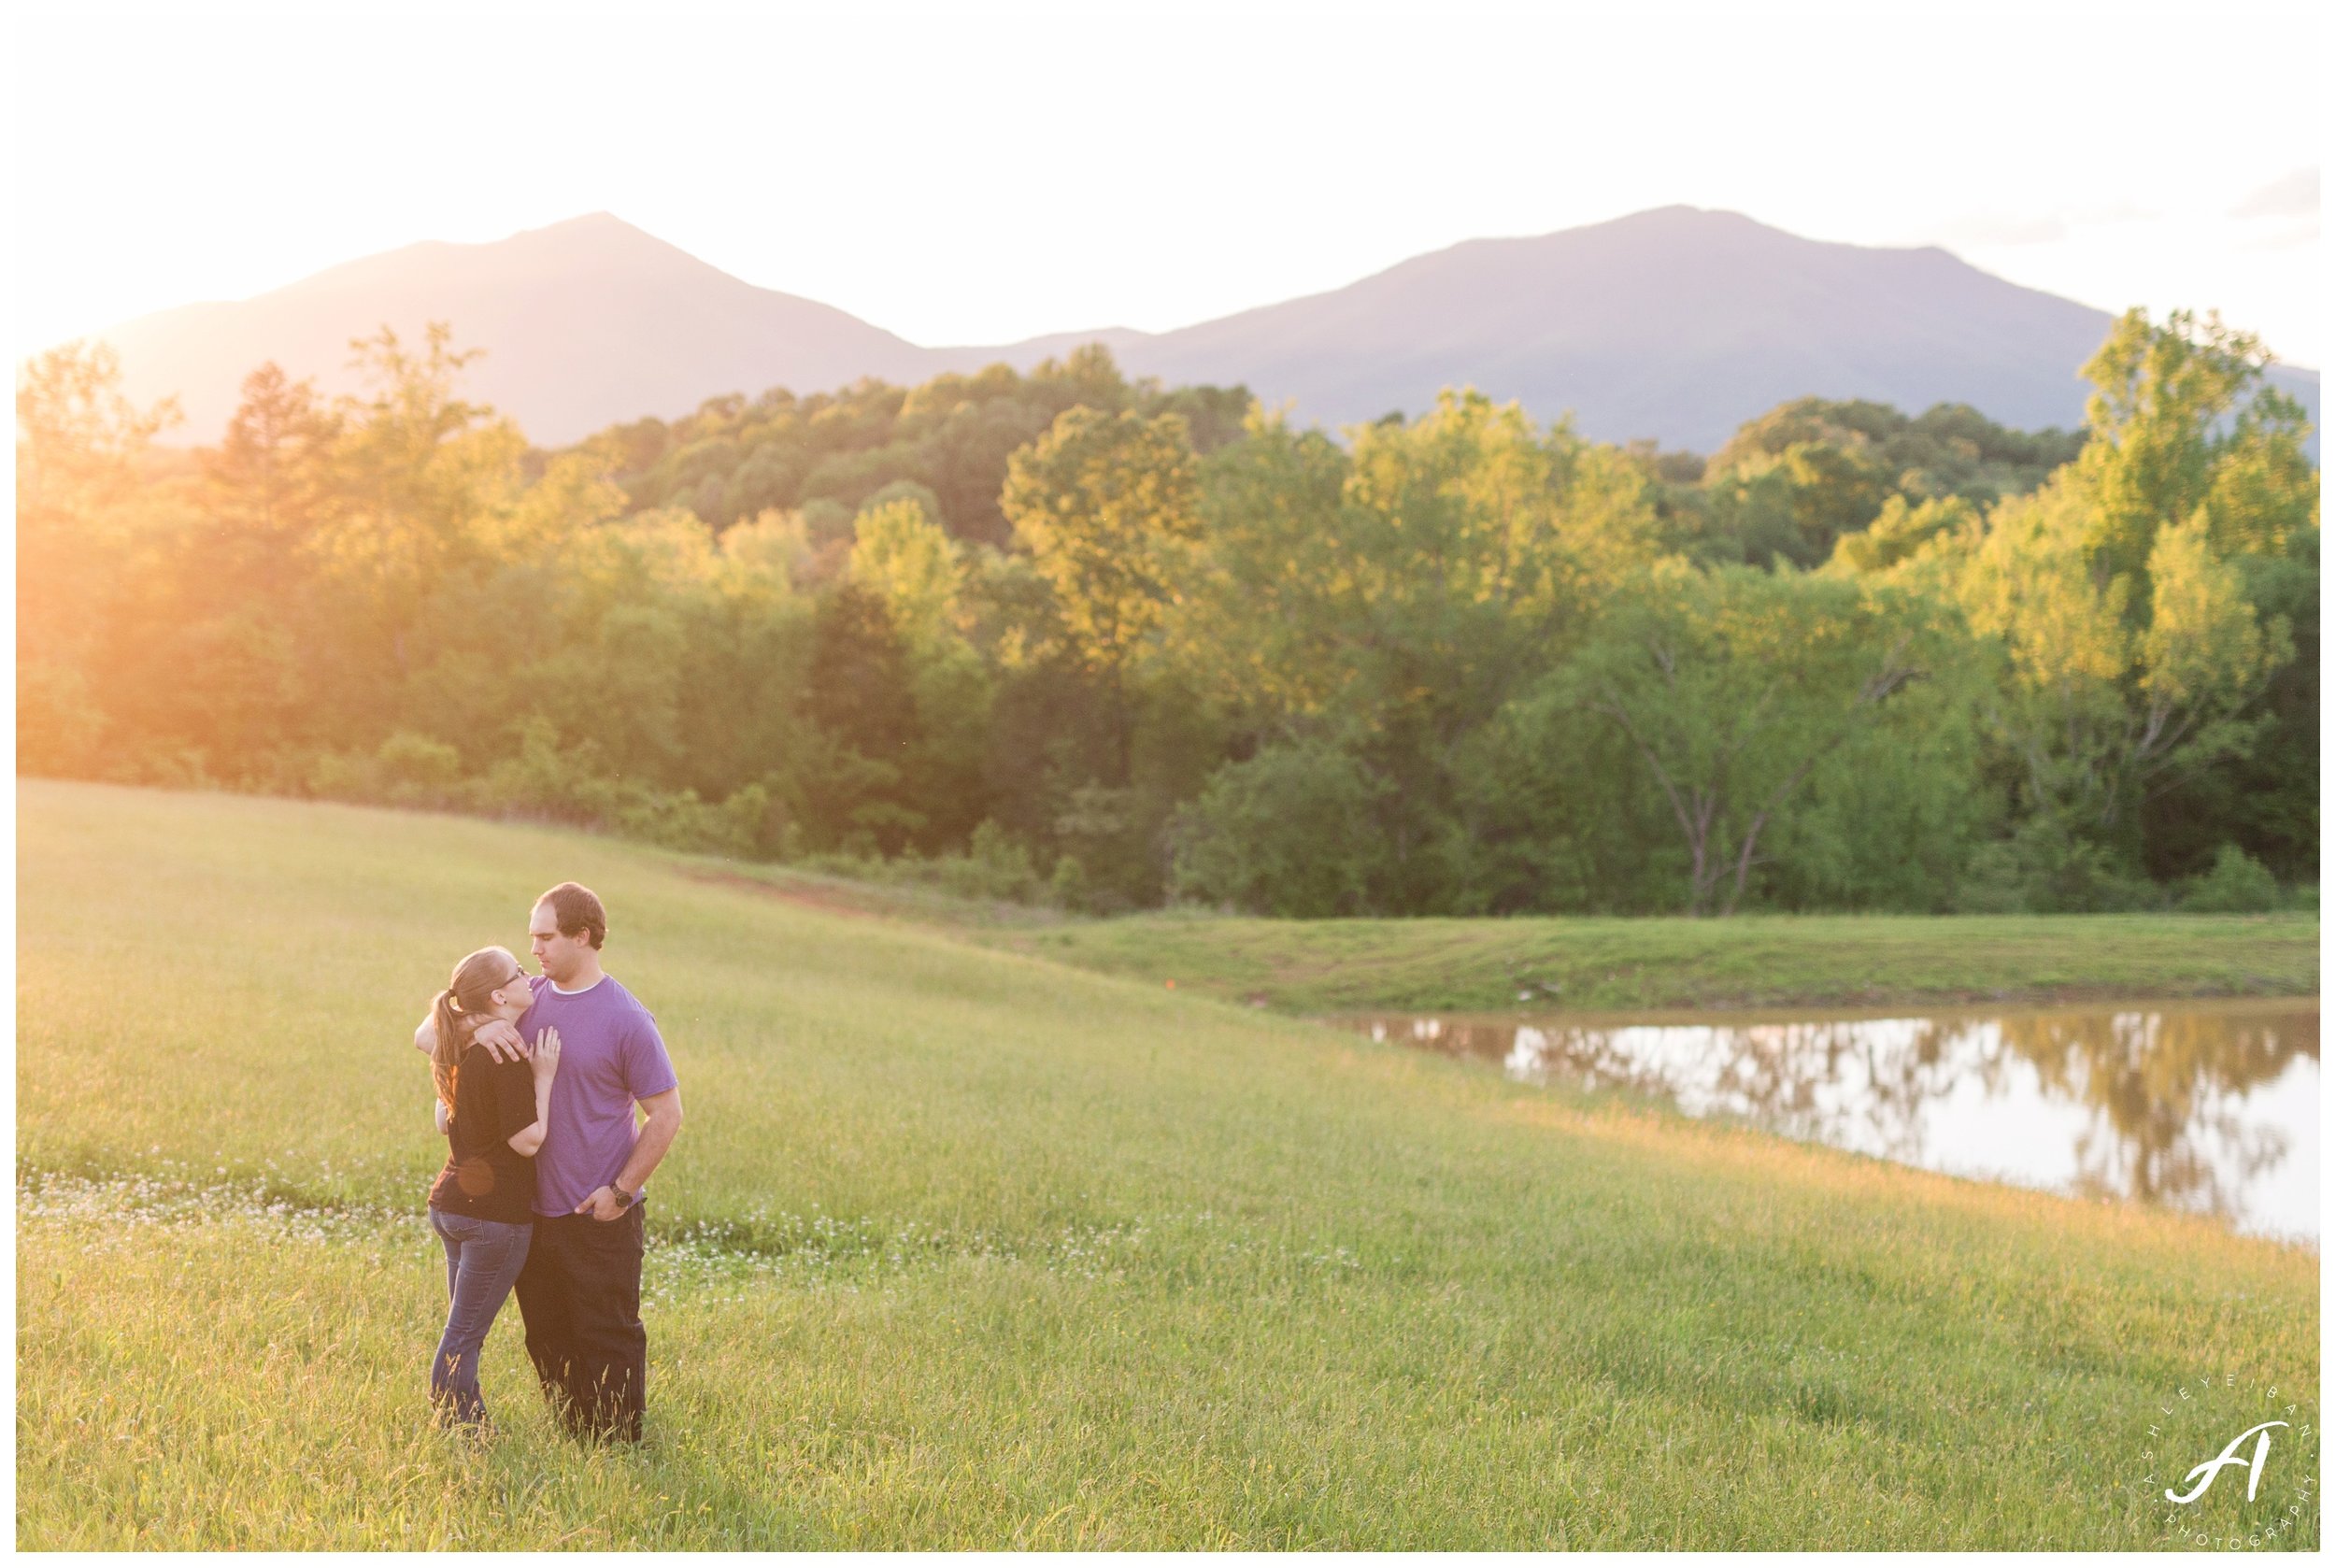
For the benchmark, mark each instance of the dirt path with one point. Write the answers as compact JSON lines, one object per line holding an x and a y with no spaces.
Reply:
{"x":826,"y":901}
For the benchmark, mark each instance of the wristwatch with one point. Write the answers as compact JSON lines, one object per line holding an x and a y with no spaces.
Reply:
{"x":624,"y":1200}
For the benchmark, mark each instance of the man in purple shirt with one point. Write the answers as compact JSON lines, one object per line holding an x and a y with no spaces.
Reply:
{"x":579,"y":1291}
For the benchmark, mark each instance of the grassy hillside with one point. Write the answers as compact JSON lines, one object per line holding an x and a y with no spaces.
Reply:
{"x":1328,"y":967}
{"x":967,"y":1247}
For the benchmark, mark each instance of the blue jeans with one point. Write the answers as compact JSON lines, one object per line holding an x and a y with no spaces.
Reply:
{"x":482,"y":1258}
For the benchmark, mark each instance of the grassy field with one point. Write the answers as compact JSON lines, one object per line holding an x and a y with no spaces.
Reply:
{"x":1346,"y":966}
{"x":963,"y":1247}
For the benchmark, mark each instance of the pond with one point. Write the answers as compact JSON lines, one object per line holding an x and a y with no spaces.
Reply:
{"x":2208,"y":1106}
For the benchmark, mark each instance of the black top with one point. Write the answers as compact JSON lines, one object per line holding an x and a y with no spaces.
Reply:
{"x":485,"y":1177}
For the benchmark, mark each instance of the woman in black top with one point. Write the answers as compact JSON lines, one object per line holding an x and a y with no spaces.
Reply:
{"x":483,"y":1203}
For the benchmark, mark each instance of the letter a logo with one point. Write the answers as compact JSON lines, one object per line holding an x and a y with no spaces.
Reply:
{"x":2213,"y":1467}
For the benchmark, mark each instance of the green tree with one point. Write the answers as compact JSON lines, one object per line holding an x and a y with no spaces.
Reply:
{"x":270,"y":482}
{"x":423,"y":476}
{"x":2267,"y":801}
{"x":1733,"y":685}
{"x":1900,"y":531}
{"x":1402,"y":595}
{"x":223,"y":662}
{"x":2183,"y":421}
{"x":859,"y":698}
{"x":903,"y":556}
{"x":1291,"y":833}
{"x":2133,"y":645}
{"x":1106,"y":505}
{"x":1103,"y":503}
{"x":81,"y":507}
{"x":1809,"y":475}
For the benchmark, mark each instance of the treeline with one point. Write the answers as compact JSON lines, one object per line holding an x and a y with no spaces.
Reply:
{"x":1783,"y":489}
{"x":832,"y":455}
{"x":1062,"y":634}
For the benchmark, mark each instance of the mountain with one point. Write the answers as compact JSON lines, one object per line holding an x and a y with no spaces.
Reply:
{"x":1678,"y":324}
{"x":584,"y":324}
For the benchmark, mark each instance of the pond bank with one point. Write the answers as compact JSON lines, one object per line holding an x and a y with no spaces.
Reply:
{"x":1832,"y":960}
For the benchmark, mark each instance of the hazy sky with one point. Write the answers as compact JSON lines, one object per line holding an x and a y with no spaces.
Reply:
{"x":977,"y":178}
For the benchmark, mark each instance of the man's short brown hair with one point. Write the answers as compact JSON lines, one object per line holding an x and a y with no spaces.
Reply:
{"x":577,"y":910}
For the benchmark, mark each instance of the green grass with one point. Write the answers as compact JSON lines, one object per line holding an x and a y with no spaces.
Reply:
{"x":1346,"y":966}
{"x":962,"y":1248}
{"x":860,"y":895}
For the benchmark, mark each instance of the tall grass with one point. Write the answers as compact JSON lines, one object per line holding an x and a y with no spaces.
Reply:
{"x":964,"y":1248}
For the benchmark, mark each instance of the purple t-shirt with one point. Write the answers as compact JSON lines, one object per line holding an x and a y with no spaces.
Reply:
{"x":610,"y":1055}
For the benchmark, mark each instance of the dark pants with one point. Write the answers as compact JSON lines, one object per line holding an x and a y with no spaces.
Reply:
{"x":482,"y":1258}
{"x":581,"y":1294}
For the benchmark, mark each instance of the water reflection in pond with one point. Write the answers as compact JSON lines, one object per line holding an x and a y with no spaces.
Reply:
{"x":2207,"y":1106}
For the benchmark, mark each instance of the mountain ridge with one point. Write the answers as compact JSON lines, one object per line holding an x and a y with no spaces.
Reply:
{"x":1676,"y":323}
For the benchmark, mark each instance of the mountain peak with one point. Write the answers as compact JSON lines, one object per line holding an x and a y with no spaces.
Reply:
{"x":587,"y":224}
{"x":1679,"y":218}
{"x":591,"y":234}
{"x":586,"y":322}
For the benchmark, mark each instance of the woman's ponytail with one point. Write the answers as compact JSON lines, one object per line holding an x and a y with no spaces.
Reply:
{"x":446,"y":1058}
